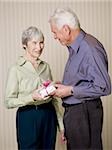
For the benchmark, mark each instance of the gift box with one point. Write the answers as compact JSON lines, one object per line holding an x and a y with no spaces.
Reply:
{"x":47,"y":89}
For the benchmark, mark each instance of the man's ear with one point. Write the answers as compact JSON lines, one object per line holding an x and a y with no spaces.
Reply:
{"x":66,"y":29}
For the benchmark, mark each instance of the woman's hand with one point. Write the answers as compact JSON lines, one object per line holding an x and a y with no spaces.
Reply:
{"x":63,"y":138}
{"x":40,"y":94}
{"x":36,"y":95}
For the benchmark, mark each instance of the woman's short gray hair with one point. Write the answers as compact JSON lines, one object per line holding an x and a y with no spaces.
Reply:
{"x":65,"y":16}
{"x":30,"y":33}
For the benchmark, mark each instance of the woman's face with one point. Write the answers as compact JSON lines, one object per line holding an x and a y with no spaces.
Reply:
{"x":34,"y":47}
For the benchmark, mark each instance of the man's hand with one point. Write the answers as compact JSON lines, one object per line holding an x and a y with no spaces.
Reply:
{"x":62,"y":90}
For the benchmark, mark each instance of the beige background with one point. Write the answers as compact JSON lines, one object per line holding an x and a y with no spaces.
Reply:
{"x":95,"y":18}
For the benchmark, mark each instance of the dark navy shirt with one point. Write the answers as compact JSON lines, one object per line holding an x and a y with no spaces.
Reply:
{"x":86,"y":70}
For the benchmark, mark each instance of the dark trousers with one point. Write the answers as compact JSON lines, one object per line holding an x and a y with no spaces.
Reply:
{"x":83,"y":125}
{"x":36,"y":127}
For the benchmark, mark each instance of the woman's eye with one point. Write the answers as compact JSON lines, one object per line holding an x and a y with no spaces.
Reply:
{"x":41,"y":42}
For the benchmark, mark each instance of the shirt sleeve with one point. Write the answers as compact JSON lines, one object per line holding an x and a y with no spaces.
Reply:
{"x":12,"y":98}
{"x":57,"y":105}
{"x":94,"y":80}
{"x":59,"y":113}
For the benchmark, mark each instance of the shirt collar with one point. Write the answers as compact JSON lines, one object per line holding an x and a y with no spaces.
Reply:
{"x":21,"y":61}
{"x":76,"y":43}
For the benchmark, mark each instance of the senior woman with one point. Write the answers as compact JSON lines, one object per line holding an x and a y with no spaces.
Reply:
{"x":37,"y":118}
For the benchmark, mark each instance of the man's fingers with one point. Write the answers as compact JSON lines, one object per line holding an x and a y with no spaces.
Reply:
{"x":57,"y":86}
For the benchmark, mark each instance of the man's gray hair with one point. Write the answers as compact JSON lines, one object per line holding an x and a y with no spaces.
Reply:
{"x":30,"y":33}
{"x":64,"y":16}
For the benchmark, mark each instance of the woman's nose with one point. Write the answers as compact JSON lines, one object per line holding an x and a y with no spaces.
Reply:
{"x":38,"y":46}
{"x":55,"y":37}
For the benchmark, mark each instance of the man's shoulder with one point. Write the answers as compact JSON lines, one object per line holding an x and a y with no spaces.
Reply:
{"x":91,"y":41}
{"x":91,"y":46}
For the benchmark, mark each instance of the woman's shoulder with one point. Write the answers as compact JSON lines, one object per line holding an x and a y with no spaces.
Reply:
{"x":12,"y":69}
{"x":15,"y":65}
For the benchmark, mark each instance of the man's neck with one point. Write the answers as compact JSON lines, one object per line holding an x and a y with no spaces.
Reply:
{"x":74,"y":35}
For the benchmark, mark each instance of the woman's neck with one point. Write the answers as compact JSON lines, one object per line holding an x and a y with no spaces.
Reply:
{"x":28,"y":57}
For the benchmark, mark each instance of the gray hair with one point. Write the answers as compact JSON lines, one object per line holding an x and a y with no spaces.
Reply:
{"x":30,"y":33}
{"x":65,"y":16}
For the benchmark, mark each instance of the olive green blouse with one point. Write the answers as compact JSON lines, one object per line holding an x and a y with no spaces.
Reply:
{"x":22,"y":80}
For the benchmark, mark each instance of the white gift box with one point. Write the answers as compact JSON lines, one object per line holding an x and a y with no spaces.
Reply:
{"x":46,"y":91}
{"x":50,"y":89}
{"x":43,"y":93}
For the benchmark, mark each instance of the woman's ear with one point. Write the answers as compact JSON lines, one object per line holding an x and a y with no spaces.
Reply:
{"x":24,"y":46}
